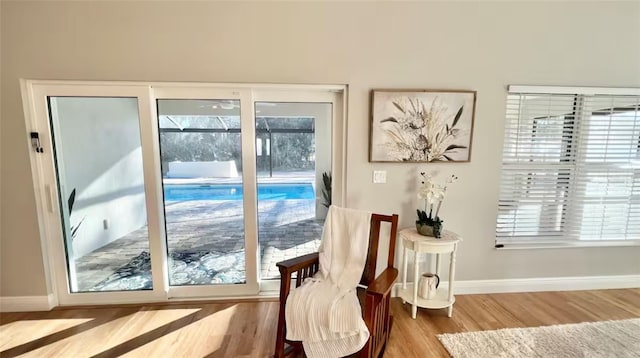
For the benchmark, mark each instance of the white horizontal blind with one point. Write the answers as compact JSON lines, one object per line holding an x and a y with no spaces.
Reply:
{"x":571,"y":167}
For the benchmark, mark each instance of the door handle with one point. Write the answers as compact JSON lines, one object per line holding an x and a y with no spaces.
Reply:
{"x":49,"y":199}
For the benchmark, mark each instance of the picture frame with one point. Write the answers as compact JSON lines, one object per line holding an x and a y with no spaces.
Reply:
{"x":421,"y":125}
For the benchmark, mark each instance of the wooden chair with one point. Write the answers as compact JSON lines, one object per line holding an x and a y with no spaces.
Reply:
{"x":376,"y":296}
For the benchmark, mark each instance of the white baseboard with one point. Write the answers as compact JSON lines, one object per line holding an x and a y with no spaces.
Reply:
{"x":27,"y":303}
{"x":46,"y":303}
{"x":542,"y":284}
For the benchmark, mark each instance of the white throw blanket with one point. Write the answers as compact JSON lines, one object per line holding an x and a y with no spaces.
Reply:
{"x":324,"y":312}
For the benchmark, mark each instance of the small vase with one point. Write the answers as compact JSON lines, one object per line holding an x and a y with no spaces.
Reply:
{"x":428,"y":230}
{"x":424,"y":229}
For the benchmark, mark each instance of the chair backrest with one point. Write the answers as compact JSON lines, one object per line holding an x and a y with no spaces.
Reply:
{"x":369,"y":273}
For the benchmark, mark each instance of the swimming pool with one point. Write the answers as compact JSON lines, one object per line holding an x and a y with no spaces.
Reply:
{"x":190,"y":192}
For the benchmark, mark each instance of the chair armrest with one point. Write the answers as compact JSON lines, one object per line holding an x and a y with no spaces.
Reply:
{"x":382,"y":285}
{"x":305,"y":266}
{"x":295,"y":264}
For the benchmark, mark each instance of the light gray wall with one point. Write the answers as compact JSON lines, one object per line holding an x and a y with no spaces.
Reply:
{"x":99,"y":154}
{"x":480,"y":46}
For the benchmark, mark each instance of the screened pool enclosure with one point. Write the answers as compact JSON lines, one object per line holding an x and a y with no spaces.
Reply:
{"x":200,"y":144}
{"x":283,"y":144}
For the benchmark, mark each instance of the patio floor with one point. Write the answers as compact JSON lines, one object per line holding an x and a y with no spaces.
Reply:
{"x":209,"y":233}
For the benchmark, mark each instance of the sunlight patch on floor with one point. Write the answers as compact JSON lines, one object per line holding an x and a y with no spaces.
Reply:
{"x":205,"y":335}
{"x":20,"y":332}
{"x":111,"y":333}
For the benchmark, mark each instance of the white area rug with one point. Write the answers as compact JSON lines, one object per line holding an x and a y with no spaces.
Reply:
{"x":596,"y":339}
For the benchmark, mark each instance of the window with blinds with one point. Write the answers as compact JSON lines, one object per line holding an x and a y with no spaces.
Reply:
{"x":571,"y":166}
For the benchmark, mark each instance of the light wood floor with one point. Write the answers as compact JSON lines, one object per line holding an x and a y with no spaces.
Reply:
{"x":248,"y":329}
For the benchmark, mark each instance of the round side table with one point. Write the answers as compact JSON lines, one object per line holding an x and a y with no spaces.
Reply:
{"x":447,"y":244}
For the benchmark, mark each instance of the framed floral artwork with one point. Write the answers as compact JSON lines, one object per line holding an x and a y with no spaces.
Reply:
{"x":421,"y":125}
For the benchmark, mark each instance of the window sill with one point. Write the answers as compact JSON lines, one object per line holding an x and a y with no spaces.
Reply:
{"x":569,"y":245}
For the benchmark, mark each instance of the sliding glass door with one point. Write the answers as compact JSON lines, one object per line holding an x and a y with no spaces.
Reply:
{"x":98,"y":158}
{"x":99,"y":200}
{"x":153,"y":192}
{"x":209,"y":190}
{"x":293,"y":151}
{"x":299,"y":160}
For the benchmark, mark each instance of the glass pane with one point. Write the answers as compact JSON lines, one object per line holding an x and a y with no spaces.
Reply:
{"x":101,"y":184}
{"x":539,"y":128}
{"x":293,"y":151}
{"x":201,"y":113}
{"x":200,"y":149}
{"x":533,"y":203}
{"x":612,"y":130}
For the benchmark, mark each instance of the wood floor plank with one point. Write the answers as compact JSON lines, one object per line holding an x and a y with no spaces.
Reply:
{"x":247,"y":329}
{"x":625,"y":300}
{"x":595,"y":308}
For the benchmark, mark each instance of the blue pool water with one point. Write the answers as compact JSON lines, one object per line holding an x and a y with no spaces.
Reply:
{"x":179,"y":192}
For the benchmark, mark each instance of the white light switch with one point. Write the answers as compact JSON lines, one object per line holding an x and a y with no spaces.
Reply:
{"x":379,"y":176}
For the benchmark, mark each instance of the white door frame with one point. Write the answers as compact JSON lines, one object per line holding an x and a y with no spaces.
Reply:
{"x":337,"y":97}
{"x":247,"y":130}
{"x":35,"y":92}
{"x":47,"y":194}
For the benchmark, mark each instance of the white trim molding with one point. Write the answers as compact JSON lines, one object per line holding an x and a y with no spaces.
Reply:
{"x":27,"y":303}
{"x":615,"y":91}
{"x":578,"y":283}
{"x":58,"y":263}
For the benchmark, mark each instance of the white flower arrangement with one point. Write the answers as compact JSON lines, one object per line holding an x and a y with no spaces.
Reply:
{"x":433,"y":193}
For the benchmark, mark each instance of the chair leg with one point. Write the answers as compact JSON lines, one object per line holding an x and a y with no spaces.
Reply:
{"x":386,"y":340}
{"x":384,"y":347}
{"x":279,"y":351}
